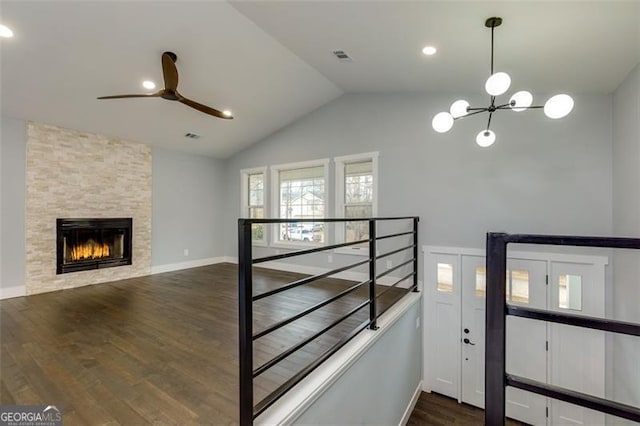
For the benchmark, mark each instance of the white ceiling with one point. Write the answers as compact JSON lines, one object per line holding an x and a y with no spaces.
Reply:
{"x":271,"y":62}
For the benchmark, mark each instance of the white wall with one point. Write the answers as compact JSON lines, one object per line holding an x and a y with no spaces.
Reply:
{"x":188,"y":207}
{"x":626,"y":222}
{"x":13,"y":149}
{"x":541,"y":175}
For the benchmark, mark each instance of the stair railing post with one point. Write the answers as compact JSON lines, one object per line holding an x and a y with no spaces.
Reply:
{"x":372,"y":275}
{"x":415,"y":254}
{"x":495,"y":356}
{"x":245,"y":313}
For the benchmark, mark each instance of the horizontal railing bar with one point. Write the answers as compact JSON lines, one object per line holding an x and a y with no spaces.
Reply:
{"x":384,"y":237}
{"x":603,"y":324}
{"x":388,"y":271}
{"x":567,"y":240}
{"x":395,"y":251}
{"x":307,"y":251}
{"x":267,"y":365}
{"x":410,"y":274}
{"x":323,"y":220}
{"x":282,"y":389}
{"x":307,"y":311}
{"x":307,"y":280}
{"x":578,"y":398}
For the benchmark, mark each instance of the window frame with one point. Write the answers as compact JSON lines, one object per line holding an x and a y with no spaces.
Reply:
{"x":340,"y":167}
{"x":275,"y":200}
{"x":244,"y":199}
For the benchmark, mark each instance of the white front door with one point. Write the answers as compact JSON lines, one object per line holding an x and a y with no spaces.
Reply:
{"x":444,"y":319}
{"x":526,"y":339}
{"x":576,"y":354}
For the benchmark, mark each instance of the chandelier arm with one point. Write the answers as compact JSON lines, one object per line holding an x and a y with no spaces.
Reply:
{"x":477,"y":111}
{"x":489,"y":122}
{"x":507,"y":106}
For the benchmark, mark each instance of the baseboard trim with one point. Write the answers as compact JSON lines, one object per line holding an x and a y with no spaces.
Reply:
{"x":159,"y":269}
{"x":412,"y":405}
{"x":11,"y":292}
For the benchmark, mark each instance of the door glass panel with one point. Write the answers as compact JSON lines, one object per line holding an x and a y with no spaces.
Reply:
{"x":481,"y":281}
{"x":520,"y":286}
{"x":445,"y":277}
{"x":570,"y":292}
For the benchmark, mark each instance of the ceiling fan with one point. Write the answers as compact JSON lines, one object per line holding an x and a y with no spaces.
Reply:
{"x":170,"y":91}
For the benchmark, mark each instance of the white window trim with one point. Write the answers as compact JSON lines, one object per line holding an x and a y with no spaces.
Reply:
{"x":340,"y":163}
{"x":275,"y":199}
{"x":244,"y":197}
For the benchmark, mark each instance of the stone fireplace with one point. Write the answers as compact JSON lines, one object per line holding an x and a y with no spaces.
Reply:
{"x":72,"y":174}
{"x":92,"y":244}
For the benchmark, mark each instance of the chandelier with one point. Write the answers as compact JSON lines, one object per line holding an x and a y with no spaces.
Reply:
{"x":498,"y":83}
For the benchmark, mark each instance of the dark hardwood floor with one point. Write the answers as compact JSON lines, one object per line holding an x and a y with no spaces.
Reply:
{"x":160,"y":349}
{"x":433,"y":409}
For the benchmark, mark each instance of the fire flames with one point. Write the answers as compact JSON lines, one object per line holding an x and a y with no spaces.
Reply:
{"x":90,"y":250}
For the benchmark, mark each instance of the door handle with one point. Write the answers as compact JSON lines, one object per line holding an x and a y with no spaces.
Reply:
{"x":468,"y":342}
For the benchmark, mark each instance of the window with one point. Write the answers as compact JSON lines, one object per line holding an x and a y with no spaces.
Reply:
{"x":445,"y":277}
{"x":570,"y":292}
{"x":253,"y":200}
{"x":299,"y":192}
{"x":356,"y":195}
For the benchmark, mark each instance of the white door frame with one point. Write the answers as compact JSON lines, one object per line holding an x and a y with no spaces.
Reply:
{"x":429,"y":254}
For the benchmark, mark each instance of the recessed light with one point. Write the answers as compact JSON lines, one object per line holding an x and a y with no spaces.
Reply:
{"x":148,"y":84}
{"x":5,"y":31}
{"x":429,"y":50}
{"x":227,"y":113}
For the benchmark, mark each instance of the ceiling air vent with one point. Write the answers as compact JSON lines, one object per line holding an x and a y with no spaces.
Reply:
{"x":342,"y":55}
{"x":191,"y":135}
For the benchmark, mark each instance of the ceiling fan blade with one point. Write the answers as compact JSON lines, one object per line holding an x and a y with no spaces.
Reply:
{"x":169,"y":71}
{"x":204,"y":108}
{"x":148,"y":95}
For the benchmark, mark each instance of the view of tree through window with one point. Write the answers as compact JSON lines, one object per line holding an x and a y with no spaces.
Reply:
{"x":302,"y":196}
{"x":358,"y":198}
{"x":256,"y":203}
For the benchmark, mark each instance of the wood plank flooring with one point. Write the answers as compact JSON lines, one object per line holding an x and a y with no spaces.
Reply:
{"x":160,"y":349}
{"x":433,"y":409}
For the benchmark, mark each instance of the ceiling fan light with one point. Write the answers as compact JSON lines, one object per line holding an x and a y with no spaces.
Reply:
{"x":459,"y":108}
{"x":558,"y":106}
{"x":442,"y":122}
{"x":486,"y":138}
{"x":148,"y":84}
{"x":227,"y":113}
{"x":498,"y":83}
{"x":521,"y":100}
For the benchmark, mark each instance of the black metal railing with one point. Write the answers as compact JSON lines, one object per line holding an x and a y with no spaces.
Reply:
{"x":496,"y":377}
{"x":249,"y":411}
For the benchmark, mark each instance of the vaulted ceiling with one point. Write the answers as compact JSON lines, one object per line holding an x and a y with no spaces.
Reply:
{"x":271,"y":62}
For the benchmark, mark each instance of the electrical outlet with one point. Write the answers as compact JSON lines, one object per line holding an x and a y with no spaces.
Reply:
{"x":330,"y":258}
{"x":186,"y":252}
{"x":389,"y":264}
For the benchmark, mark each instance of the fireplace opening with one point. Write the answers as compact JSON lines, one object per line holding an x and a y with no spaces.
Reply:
{"x":93,"y":244}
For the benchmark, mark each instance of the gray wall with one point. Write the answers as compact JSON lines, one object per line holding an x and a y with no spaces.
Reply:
{"x":626,"y":222}
{"x":377,"y":388}
{"x":540,"y":176}
{"x":13,"y":148}
{"x":189,"y":201}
